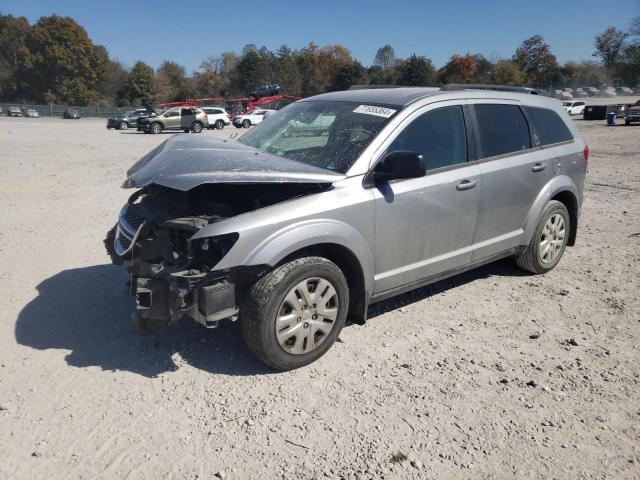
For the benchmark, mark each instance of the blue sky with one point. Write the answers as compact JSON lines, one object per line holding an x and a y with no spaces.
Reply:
{"x":435,"y":29}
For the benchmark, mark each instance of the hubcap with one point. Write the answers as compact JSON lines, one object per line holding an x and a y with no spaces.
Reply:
{"x":552,"y":238}
{"x":307,"y":315}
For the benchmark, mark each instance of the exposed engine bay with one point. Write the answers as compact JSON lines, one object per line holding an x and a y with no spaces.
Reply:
{"x":173,"y":276}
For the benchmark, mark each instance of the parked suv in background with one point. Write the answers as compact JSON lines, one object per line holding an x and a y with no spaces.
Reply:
{"x":293,"y":229}
{"x":128,"y":119}
{"x":249,"y":119}
{"x":14,"y":112}
{"x":217,"y":116}
{"x":574,"y":107}
{"x":265,"y":91}
{"x":180,"y":118}
{"x":632,"y":114}
{"x":71,"y":114}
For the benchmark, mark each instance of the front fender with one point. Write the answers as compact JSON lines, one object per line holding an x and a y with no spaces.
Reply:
{"x":556,"y":185}
{"x":297,"y":236}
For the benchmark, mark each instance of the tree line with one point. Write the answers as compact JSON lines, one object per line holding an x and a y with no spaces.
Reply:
{"x":55,"y":61}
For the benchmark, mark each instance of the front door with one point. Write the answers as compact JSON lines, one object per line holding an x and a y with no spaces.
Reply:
{"x":425,"y":226}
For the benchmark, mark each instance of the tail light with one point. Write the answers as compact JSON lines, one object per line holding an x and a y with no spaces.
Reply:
{"x":585,"y":153}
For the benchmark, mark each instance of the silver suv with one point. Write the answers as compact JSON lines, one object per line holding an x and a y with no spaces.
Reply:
{"x":342,"y":200}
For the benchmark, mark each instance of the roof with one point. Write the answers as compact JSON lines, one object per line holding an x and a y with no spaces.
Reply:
{"x":398,"y":97}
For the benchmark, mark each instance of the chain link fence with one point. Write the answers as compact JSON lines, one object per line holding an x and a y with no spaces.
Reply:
{"x":57,"y":110}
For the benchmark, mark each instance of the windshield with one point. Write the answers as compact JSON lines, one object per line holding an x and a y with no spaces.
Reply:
{"x":329,"y":135}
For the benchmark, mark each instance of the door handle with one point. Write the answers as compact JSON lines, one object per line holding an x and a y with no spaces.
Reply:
{"x":538,"y":167}
{"x":466,"y":184}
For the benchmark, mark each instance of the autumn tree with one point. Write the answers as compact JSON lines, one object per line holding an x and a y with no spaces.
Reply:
{"x":172,"y":83}
{"x":535,"y":59}
{"x":459,"y":69}
{"x":609,"y":46}
{"x":63,"y":63}
{"x":13,"y":55}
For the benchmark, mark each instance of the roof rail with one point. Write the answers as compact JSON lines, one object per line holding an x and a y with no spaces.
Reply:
{"x":483,"y":86}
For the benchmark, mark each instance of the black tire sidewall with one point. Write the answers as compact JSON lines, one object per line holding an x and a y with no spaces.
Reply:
{"x":219,"y":125}
{"x":196,"y":127}
{"x":278,"y":357}
{"x":153,"y":127}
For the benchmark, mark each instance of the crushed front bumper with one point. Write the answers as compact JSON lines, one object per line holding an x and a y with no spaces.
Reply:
{"x":168,"y":284}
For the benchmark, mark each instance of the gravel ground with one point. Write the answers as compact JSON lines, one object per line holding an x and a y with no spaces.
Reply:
{"x":491,"y":374}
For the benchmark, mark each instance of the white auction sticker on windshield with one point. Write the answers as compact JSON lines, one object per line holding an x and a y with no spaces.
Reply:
{"x":377,"y":111}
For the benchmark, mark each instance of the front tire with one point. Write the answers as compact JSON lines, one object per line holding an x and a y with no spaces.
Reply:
{"x":123,"y":125}
{"x":155,"y":128}
{"x":246,"y":124}
{"x":294,"y":314}
{"x":549,"y":239}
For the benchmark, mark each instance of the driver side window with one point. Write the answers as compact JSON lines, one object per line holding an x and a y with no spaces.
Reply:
{"x":438,"y":135}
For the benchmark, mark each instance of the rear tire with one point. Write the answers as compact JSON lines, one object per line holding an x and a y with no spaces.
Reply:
{"x":549,"y":239}
{"x":219,"y":125}
{"x":303,"y":339}
{"x":196,"y":127}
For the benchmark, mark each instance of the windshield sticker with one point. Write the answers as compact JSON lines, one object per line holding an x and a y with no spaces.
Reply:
{"x":373,"y":110}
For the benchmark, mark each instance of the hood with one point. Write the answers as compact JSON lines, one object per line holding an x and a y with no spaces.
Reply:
{"x":635,"y":108}
{"x":186,"y":161}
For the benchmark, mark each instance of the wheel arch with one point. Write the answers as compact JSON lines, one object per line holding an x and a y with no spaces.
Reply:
{"x":350,"y":266}
{"x":332,"y":239}
{"x":563,"y":189}
{"x":569,"y":200}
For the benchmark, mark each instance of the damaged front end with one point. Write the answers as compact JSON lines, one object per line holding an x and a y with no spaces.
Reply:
{"x":172,"y":276}
{"x":186,"y":184}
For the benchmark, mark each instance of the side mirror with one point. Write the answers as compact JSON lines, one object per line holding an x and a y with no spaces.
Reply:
{"x":399,"y":165}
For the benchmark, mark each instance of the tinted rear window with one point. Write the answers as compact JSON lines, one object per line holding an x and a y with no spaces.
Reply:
{"x":548,"y":127}
{"x":503,"y":129}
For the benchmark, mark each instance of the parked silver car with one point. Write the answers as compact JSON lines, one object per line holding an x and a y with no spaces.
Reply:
{"x":293,"y":229}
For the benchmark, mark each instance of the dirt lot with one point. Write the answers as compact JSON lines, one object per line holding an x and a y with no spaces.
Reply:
{"x":439,"y":376}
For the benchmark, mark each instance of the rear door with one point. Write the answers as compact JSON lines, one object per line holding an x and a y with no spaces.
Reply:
{"x":187,"y":117}
{"x":512,"y":174}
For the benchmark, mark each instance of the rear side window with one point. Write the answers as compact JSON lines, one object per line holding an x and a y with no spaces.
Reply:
{"x":503,"y":129}
{"x":548,"y":127}
{"x":438,"y":135}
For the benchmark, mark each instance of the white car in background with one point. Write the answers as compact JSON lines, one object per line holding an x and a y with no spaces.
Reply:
{"x":574,"y":108}
{"x":217,"y":116}
{"x":249,"y":119}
